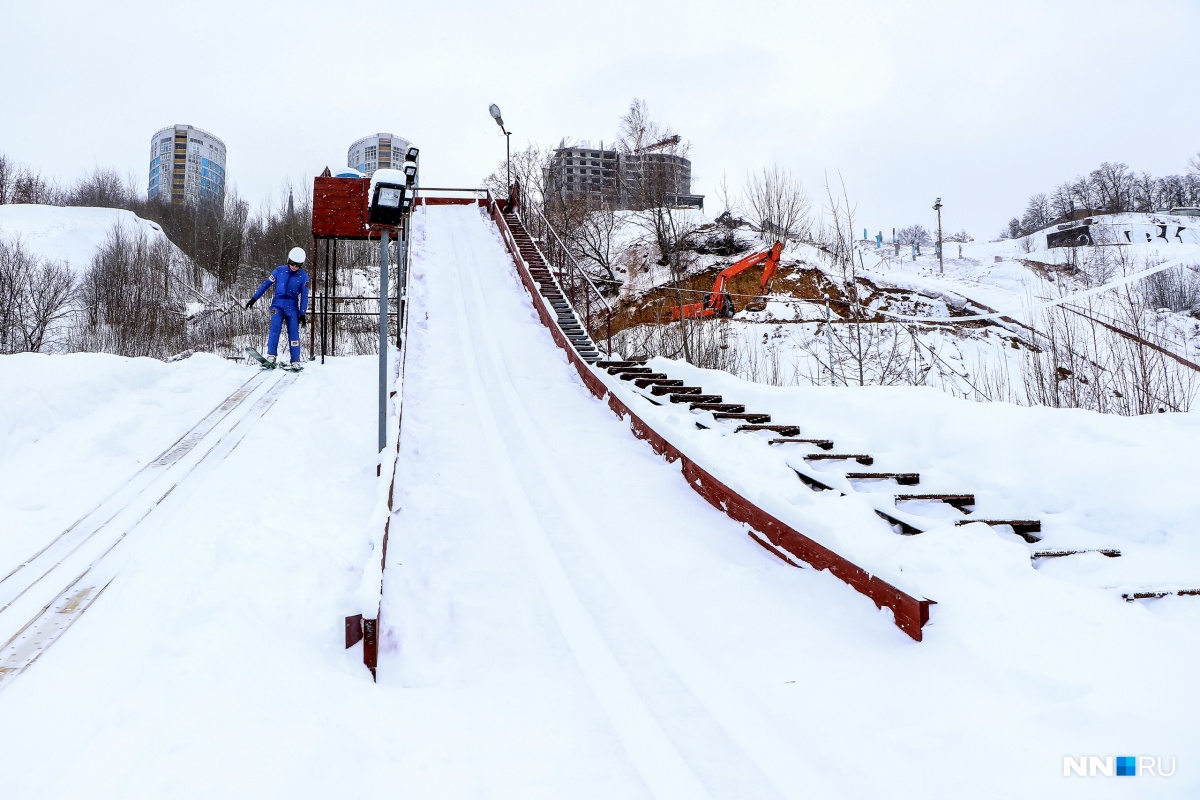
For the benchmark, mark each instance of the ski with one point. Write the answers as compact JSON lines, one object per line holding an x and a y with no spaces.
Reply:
{"x":260,"y":358}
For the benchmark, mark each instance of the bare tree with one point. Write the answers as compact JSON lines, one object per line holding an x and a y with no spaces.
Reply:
{"x":729,"y":205}
{"x":1113,"y":186}
{"x":15,"y":267}
{"x":597,"y":238}
{"x":914,"y":233}
{"x":1062,"y":202}
{"x":128,"y":304}
{"x":7,"y":175}
{"x":31,"y":187}
{"x":1037,"y":214}
{"x":35,"y":296}
{"x":779,"y":204}
{"x":50,"y":293}
{"x":529,"y":167}
{"x":102,"y":188}
{"x":636,"y":130}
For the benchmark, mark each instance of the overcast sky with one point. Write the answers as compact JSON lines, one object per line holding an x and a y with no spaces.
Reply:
{"x":980,"y":103}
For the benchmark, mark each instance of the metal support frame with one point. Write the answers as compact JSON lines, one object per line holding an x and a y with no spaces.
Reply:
{"x":384,"y":243}
{"x":325,"y":303}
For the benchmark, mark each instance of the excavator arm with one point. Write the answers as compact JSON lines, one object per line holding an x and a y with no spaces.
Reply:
{"x":718,"y":302}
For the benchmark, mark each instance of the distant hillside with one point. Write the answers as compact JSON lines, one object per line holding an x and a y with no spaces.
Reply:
{"x":70,"y":234}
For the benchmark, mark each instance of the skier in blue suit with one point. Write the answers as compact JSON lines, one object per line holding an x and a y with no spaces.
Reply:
{"x":291,"y":300}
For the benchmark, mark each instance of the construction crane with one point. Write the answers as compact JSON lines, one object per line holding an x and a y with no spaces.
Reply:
{"x":718,"y":303}
{"x":673,"y":139}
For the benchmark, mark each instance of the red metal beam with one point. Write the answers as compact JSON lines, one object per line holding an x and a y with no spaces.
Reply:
{"x":910,"y":613}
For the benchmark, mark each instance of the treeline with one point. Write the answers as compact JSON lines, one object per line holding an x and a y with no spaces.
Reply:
{"x":138,"y":296}
{"x":224,"y":238}
{"x":1108,"y":189}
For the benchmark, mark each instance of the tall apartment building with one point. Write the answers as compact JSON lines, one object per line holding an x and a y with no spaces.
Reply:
{"x":381,"y":151}
{"x":187,"y":165}
{"x":621,"y":180}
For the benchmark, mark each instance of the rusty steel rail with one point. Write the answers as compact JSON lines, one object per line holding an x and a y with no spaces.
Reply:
{"x":1134,"y":338}
{"x":910,"y":613}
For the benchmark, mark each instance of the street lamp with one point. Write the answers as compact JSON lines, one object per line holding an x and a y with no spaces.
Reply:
{"x":494,"y":110}
{"x":937,"y":206}
{"x":390,"y":203}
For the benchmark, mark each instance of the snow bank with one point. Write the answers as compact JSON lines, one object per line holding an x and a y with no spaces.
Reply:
{"x":69,"y":234}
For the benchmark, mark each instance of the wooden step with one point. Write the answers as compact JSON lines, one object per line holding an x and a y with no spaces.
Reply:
{"x":675,"y":389}
{"x":642,"y":383}
{"x":695,"y":398}
{"x":902,"y":478}
{"x":1104,"y":551}
{"x":630,"y":371}
{"x":1025,"y":528}
{"x":814,"y":484}
{"x":782,"y":430}
{"x":731,"y":408}
{"x":865,"y":460}
{"x":906,"y":529}
{"x":748,"y":417}
{"x":959,"y":501}
{"x":1154,"y":594}
{"x":626,"y":363}
{"x":824,"y":444}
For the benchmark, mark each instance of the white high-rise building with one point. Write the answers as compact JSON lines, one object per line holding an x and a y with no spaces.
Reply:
{"x":187,"y":165}
{"x":381,"y":151}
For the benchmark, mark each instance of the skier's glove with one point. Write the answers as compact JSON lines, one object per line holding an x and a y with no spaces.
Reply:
{"x":250,"y":302}
{"x":303,"y":321}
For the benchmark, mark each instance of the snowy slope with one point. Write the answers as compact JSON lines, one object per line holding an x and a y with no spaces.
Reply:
{"x":547,"y":562}
{"x":563,"y":616}
{"x":69,"y":234}
{"x":212,"y":666}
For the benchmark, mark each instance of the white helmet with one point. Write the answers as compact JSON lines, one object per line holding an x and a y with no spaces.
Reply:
{"x":296,"y":255}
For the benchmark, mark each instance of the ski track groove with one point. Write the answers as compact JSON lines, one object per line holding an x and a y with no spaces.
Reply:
{"x":222,"y":430}
{"x":676,"y":743}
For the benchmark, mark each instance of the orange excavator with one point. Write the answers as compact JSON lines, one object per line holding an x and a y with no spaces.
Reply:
{"x":718,"y":303}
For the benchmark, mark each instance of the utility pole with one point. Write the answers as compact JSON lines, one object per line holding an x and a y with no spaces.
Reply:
{"x":937,"y":206}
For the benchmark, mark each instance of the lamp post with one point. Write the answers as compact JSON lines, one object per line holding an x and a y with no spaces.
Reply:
{"x":390,"y":204}
{"x":937,"y":206}
{"x":494,"y":110}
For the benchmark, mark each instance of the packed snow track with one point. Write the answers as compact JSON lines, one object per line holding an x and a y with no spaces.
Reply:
{"x":528,"y":556}
{"x":46,"y":593}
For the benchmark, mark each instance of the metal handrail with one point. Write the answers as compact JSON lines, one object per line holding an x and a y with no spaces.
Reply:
{"x":567,"y":251}
{"x":568,"y":292}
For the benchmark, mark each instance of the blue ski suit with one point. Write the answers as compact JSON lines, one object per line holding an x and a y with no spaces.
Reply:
{"x":291,"y":297}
